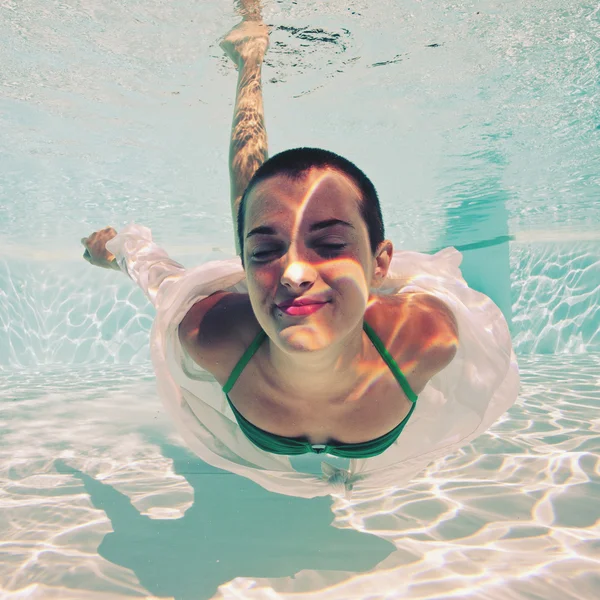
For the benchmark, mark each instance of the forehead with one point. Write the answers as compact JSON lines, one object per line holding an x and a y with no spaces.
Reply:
{"x":318,"y":194}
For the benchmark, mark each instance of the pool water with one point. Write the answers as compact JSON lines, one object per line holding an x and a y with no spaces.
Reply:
{"x":478,"y":123}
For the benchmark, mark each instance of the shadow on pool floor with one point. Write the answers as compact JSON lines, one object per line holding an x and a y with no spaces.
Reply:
{"x":234,"y":528}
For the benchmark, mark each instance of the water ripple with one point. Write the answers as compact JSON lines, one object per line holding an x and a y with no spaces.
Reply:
{"x":556,"y":291}
{"x":512,"y":515}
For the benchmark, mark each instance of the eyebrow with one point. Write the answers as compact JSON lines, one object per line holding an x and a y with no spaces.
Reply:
{"x":267,"y":230}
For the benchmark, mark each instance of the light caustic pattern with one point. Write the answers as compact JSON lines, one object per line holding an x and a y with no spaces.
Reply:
{"x":556,"y":297}
{"x":514,"y":515}
{"x":70,"y":315}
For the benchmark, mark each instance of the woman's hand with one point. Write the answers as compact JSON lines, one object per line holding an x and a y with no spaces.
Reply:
{"x":246,"y":43}
{"x":95,"y":249}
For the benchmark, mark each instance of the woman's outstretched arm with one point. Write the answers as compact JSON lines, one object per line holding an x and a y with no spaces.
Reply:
{"x":134,"y":252}
{"x":246,"y":44}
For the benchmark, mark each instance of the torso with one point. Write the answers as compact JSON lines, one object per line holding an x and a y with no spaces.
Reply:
{"x":417,"y":330}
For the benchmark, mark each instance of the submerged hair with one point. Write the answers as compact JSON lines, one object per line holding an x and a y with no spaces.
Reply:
{"x":296,"y":163}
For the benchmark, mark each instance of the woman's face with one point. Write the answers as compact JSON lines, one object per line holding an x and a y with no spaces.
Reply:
{"x":308,"y":259}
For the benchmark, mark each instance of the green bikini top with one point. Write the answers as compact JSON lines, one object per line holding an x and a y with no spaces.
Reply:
{"x":277,"y":444}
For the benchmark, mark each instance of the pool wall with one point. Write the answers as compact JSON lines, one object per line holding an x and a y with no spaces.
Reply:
{"x":62,"y":313}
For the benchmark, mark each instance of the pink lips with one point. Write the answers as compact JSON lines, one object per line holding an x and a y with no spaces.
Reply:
{"x":301,"y":306}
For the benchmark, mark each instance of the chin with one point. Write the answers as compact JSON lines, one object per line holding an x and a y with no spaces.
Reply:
{"x":298,"y":339}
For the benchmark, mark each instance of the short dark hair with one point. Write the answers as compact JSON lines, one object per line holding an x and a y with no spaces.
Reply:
{"x":296,"y":163}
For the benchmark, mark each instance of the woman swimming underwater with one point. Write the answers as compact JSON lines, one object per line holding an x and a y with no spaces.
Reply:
{"x":323,"y":339}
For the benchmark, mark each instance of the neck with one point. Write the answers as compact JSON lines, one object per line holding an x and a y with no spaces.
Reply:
{"x":328,"y":372}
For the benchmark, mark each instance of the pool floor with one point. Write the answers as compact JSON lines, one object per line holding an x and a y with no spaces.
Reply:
{"x":100,"y":499}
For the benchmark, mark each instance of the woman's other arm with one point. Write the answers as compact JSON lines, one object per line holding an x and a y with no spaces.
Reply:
{"x":134,"y":252}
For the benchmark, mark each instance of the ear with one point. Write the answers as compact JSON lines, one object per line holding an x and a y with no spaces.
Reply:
{"x":383,"y":258}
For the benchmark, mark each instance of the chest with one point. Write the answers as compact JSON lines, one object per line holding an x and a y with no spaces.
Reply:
{"x":372,"y":406}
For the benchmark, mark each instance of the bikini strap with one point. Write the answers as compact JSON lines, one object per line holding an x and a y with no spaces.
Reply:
{"x":387,"y":357}
{"x":244,"y":360}
{"x":390,"y":362}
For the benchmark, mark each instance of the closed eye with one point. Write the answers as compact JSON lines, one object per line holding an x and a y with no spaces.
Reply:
{"x":330,"y":248}
{"x":263,"y":255}
{"x":267,"y":253}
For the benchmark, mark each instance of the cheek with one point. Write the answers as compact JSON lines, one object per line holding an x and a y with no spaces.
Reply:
{"x":349,"y":278}
{"x":262,"y":282}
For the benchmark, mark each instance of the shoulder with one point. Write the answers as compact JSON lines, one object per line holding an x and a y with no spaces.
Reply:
{"x":419,"y":330}
{"x":430,"y":313}
{"x":217,"y":330}
{"x":413,"y":310}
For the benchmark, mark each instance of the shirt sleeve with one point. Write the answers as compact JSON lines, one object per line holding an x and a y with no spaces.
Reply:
{"x":144,"y":261}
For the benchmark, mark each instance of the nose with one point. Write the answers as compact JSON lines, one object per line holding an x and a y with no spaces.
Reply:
{"x":298,"y":276}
